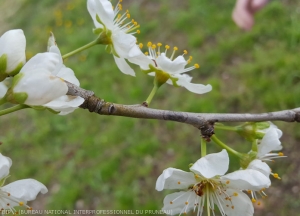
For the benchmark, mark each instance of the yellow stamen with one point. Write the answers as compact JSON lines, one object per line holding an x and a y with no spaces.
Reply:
{"x":196,"y":66}
{"x":149,"y":44}
{"x":128,"y":15}
{"x":178,"y":182}
{"x":141,"y":45}
{"x":21,"y":203}
{"x":146,"y":53}
{"x":280,"y":154}
{"x":185,"y":52}
{"x":235,"y":194}
{"x":227,"y":182}
{"x":153,"y":46}
{"x":186,"y":203}
{"x":138,"y":31}
{"x":159,"y":44}
{"x":167,"y":47}
{"x":253,"y":200}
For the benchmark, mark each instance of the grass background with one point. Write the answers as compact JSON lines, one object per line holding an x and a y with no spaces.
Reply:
{"x":89,"y":161}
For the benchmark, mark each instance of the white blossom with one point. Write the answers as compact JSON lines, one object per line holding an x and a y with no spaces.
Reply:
{"x":116,"y":33}
{"x":17,"y":193}
{"x":12,"y":52}
{"x":41,"y":82}
{"x":207,"y":185}
{"x":168,"y":69}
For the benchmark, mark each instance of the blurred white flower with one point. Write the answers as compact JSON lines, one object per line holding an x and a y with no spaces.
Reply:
{"x":3,"y":90}
{"x":207,"y":184}
{"x":19,"y":192}
{"x":41,"y":82}
{"x":270,"y":142}
{"x":115,"y":32}
{"x":167,"y":69}
{"x":12,"y":53}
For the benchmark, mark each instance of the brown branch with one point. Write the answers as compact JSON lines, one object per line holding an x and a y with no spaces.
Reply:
{"x":203,"y":121}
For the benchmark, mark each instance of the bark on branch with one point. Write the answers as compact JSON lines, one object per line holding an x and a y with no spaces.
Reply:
{"x":202,"y":121}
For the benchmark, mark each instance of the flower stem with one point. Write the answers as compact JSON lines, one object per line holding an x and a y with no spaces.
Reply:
{"x":254,"y":146}
{"x":13,"y":109}
{"x":93,"y":43}
{"x":223,"y":127}
{"x":223,"y":145}
{"x":151,"y":95}
{"x":203,"y":147}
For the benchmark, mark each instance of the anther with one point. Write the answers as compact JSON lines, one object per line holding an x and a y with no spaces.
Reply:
{"x":175,"y":48}
{"x":171,"y":202}
{"x":227,"y":182}
{"x":149,"y":44}
{"x":196,"y":66}
{"x":159,"y":44}
{"x":167,"y":47}
{"x":138,"y":31}
{"x":141,"y":45}
{"x":253,"y":200}
{"x":178,"y":182}
{"x":235,"y":194}
{"x":128,"y":15}
{"x":186,"y":203}
{"x":280,"y":154}
{"x":185,"y":52}
{"x":21,"y":203}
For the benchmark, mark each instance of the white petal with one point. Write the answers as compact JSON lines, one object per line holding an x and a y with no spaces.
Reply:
{"x":212,"y":164}
{"x":269,"y":142}
{"x":41,"y":87}
{"x":248,"y":179}
{"x":260,"y":166}
{"x":125,"y":45}
{"x":142,"y":60}
{"x":123,"y":66}
{"x":104,"y":10}
{"x":169,"y":66}
{"x":42,"y":61}
{"x":172,"y":178}
{"x":91,"y":6}
{"x":178,"y":201}
{"x":54,"y":49}
{"x":3,"y":89}
{"x":25,"y":189}
{"x":68,"y":75}
{"x":192,"y":87}
{"x":13,"y":43}
{"x":65,"y":104}
{"x":239,"y":204}
{"x":5,"y":164}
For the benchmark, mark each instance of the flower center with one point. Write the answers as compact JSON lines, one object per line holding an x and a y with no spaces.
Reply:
{"x":120,"y":21}
{"x":9,"y":202}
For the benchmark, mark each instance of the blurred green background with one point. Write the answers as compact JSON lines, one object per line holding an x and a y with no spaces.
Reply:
{"x":89,"y":161}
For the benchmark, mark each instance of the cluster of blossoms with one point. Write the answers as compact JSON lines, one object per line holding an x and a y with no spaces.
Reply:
{"x":207,"y":184}
{"x":41,"y":83}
